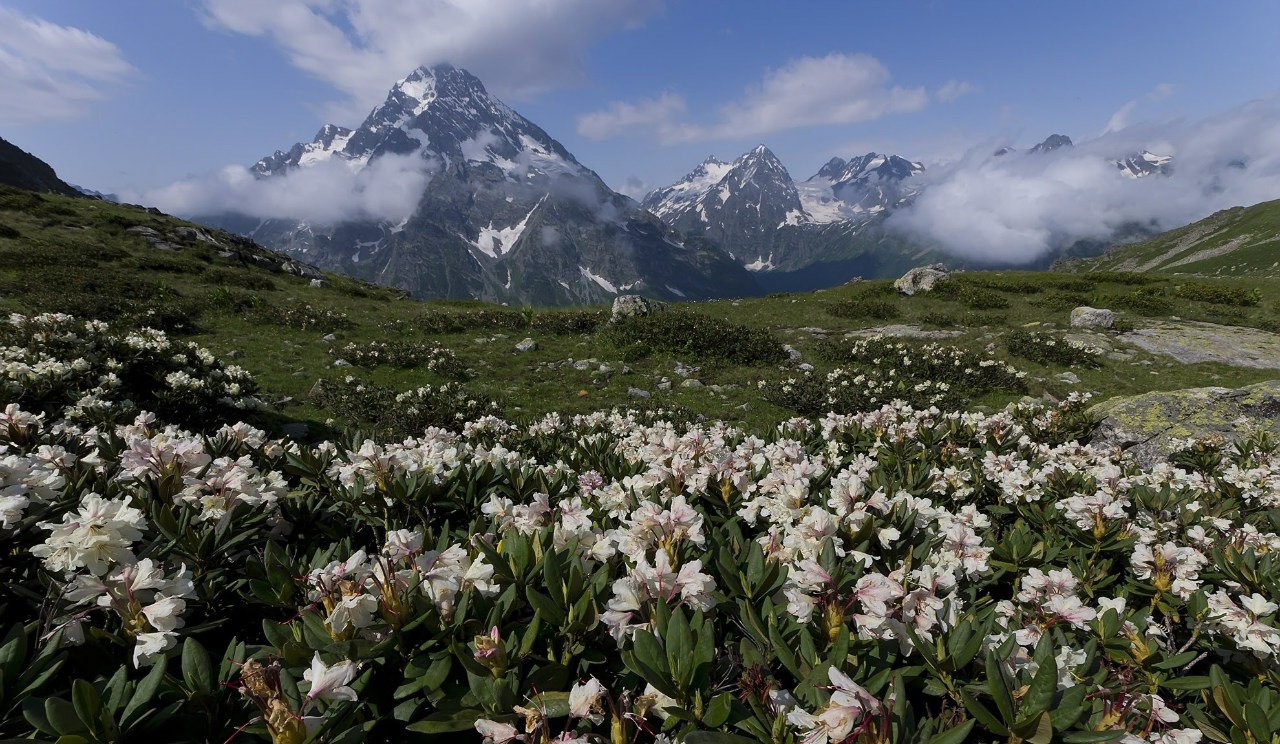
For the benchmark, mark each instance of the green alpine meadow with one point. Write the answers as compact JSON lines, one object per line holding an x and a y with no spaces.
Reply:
{"x":639,"y":372}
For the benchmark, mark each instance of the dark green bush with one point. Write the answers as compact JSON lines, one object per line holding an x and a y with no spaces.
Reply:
{"x":1147,"y":301}
{"x":861,"y":308}
{"x":686,"y":333}
{"x":305,"y":317}
{"x":1217,"y":294}
{"x":9,"y":233}
{"x":1130,"y":278}
{"x":1050,"y":349}
{"x":361,"y":404}
{"x":1060,"y":300}
{"x":243,"y":279}
{"x":983,"y":299}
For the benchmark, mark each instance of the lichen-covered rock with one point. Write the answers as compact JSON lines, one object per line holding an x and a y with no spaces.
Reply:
{"x":921,"y":279}
{"x":631,"y":306}
{"x":527,"y":345}
{"x":1153,"y":425}
{"x":1092,"y":317}
{"x":1191,"y":342}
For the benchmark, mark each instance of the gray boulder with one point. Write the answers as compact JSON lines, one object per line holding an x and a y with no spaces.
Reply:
{"x":1092,"y":317}
{"x":633,"y":306}
{"x":1153,"y":424}
{"x":922,"y":279}
{"x":527,"y":345}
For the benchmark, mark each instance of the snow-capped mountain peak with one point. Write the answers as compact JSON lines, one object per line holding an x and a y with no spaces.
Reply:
{"x":506,"y":213}
{"x":1145,"y":163}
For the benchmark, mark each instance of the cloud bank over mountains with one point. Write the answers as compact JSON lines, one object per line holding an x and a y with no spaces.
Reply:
{"x":325,"y":193}
{"x":1018,"y":208}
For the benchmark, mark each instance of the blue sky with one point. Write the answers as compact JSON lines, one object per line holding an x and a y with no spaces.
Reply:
{"x":160,"y":90}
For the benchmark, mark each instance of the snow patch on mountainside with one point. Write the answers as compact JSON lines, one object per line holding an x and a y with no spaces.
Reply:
{"x":496,"y":242}
{"x":604,"y":283}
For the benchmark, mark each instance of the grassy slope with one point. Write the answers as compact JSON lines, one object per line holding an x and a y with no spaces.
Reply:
{"x":75,"y":255}
{"x":1242,"y":241}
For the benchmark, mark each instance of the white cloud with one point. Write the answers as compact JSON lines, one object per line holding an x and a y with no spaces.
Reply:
{"x":50,"y":72}
{"x":327,"y":193}
{"x":1121,"y":118}
{"x":953,"y":89}
{"x":1018,"y":208}
{"x":805,"y":92}
{"x":657,"y":116}
{"x":518,"y":47}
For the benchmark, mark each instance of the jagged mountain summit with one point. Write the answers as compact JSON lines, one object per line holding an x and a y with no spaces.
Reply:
{"x":743,"y":206}
{"x":507,"y":213}
{"x":796,"y":235}
{"x":1051,"y":143}
{"x":1145,"y":164}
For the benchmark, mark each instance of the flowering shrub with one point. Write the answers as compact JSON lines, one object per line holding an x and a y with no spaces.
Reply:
{"x":893,"y":575}
{"x":876,"y":370}
{"x":1050,"y":349}
{"x":400,"y":414}
{"x":427,"y":355}
{"x":306,"y":317}
{"x":700,"y":336}
{"x":88,"y":373}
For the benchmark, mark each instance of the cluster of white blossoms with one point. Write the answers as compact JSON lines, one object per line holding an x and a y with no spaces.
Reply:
{"x":888,"y":532}
{"x":81,"y":365}
{"x":877,"y":370}
{"x":429,"y":356}
{"x":368,"y":595}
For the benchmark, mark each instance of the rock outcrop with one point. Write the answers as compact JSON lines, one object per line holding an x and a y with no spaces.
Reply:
{"x":1153,"y":425}
{"x":921,"y":279}
{"x":632,"y":306}
{"x":1092,"y":317}
{"x":1191,"y":342}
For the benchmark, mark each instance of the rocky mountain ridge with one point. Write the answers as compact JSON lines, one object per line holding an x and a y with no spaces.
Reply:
{"x":507,"y":213}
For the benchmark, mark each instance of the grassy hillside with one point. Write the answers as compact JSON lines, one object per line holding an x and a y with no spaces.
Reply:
{"x":1242,"y":241}
{"x":722,"y":359}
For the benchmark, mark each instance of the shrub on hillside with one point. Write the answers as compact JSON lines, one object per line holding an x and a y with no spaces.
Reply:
{"x":92,"y":374}
{"x":306,"y":317}
{"x":1145,"y":301}
{"x":390,"y":414}
{"x":873,"y":371}
{"x":240,"y":278}
{"x":1051,"y":349}
{"x":864,"y":308}
{"x":1218,"y":294}
{"x":405,"y":354}
{"x":698,"y":336}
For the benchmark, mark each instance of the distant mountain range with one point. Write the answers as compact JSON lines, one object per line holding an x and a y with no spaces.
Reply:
{"x":831,"y":226}
{"x":507,"y":214}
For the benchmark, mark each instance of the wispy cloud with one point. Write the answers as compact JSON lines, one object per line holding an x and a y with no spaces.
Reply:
{"x":1121,"y":118}
{"x":325,"y":193}
{"x":953,"y":89}
{"x":518,"y":47}
{"x":1018,"y":208}
{"x":50,"y":72}
{"x":805,"y":92}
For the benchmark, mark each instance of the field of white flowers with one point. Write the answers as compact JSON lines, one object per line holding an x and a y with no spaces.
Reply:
{"x":894,"y":575}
